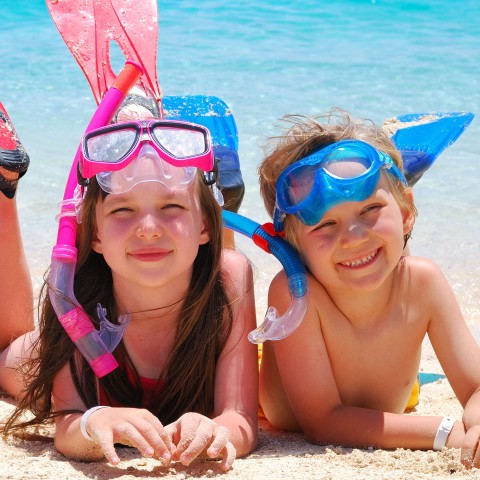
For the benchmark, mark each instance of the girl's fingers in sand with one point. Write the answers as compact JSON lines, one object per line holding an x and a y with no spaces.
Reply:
{"x":227,"y":454}
{"x":470,"y":453}
{"x":130,"y":426}
{"x":208,"y":438}
{"x":218,"y":447}
{"x":194,"y":434}
{"x":105,"y":441}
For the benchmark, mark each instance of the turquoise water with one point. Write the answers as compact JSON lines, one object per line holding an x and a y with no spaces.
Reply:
{"x":377,"y":59}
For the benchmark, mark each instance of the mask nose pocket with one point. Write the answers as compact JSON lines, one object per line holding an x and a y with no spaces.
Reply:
{"x":148,"y":166}
{"x":151,"y":167}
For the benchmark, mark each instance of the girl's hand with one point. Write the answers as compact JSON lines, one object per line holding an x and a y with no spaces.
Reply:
{"x":193,"y":434}
{"x":470,"y":454}
{"x":129,"y":426}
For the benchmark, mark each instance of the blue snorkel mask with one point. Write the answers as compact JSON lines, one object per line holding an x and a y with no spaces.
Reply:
{"x":346,"y":171}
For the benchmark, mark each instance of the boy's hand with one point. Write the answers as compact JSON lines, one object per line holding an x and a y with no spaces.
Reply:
{"x":129,"y":426}
{"x":194,"y":434}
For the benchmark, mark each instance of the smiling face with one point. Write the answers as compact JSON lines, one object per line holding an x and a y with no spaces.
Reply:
{"x":150,"y":236}
{"x":356,"y":245}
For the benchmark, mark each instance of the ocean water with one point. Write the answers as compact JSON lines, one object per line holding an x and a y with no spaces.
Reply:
{"x":375,"y":58}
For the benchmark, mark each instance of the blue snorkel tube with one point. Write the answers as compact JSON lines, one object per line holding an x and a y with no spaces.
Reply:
{"x":275,"y":327}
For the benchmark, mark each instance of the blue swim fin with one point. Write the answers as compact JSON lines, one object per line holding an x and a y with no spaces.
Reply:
{"x":422,"y":137}
{"x":209,"y":111}
{"x":213,"y":113}
{"x":429,"y":377}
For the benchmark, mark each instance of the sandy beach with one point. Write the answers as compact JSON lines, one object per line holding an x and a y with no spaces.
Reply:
{"x":279,"y":455}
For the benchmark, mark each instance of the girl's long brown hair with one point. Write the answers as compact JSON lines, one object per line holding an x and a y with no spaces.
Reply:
{"x":202,"y":331}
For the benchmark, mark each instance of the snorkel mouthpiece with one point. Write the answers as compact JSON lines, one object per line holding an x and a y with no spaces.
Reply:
{"x":277,"y":327}
{"x":85,"y":337}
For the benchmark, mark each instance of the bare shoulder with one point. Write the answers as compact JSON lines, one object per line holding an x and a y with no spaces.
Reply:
{"x":237,"y":272}
{"x":421,"y":269}
{"x":235,"y":264}
{"x":425,"y":281}
{"x":233,"y":258}
{"x":279,"y":282}
{"x":237,"y":277}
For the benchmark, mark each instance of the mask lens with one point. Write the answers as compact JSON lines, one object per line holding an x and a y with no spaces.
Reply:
{"x":110,"y":147}
{"x":346,"y":163}
{"x":179,"y":142}
{"x":299,"y":184}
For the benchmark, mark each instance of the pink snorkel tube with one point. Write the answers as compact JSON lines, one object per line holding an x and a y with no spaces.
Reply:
{"x":95,"y":345}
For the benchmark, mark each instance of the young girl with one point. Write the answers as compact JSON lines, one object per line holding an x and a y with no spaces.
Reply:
{"x":150,"y":245}
{"x":345,"y":376}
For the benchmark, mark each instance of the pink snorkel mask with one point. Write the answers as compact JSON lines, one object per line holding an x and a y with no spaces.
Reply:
{"x":165,"y":151}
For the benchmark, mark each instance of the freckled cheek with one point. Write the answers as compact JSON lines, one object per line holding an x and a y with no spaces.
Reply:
{"x":184,"y":226}
{"x":175,"y":226}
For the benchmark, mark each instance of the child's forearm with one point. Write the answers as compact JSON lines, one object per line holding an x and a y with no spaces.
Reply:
{"x":361,"y":427}
{"x":70,"y":442}
{"x":243,"y":430}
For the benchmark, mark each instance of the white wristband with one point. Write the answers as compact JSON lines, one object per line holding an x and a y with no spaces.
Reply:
{"x":443,"y":432}
{"x":83,"y":421}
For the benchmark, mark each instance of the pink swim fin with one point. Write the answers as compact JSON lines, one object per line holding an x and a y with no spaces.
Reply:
{"x":14,"y":159}
{"x":89,"y":26}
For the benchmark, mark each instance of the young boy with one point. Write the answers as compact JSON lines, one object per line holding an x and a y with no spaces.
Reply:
{"x":346,"y":374}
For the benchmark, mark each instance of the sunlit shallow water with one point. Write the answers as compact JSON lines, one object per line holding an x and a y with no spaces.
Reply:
{"x":377,"y":59}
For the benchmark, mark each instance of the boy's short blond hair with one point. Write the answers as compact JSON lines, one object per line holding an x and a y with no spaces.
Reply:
{"x":304,"y":135}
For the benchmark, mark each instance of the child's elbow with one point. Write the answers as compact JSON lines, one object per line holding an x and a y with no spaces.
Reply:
{"x":79,"y":451}
{"x":317,"y":437}
{"x":249,"y":438}
{"x":321,"y":431}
